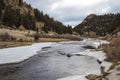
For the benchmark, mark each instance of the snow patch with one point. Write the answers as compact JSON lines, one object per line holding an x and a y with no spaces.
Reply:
{"x":106,"y":65}
{"x":94,"y":42}
{"x":100,"y":55}
{"x":82,"y":77}
{"x":18,"y":54}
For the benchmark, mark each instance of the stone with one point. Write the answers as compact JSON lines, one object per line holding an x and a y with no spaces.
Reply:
{"x":88,"y":47}
{"x":92,"y":77}
{"x":69,"y":55}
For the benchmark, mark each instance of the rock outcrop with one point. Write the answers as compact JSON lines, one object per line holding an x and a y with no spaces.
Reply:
{"x":13,"y":2}
{"x":24,"y":10}
{"x":20,"y":6}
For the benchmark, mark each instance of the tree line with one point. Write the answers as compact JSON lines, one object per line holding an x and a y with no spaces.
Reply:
{"x":12,"y":17}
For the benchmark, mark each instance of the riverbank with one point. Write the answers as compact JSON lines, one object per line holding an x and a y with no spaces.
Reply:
{"x":14,"y":44}
{"x":112,"y":51}
{"x":18,"y":44}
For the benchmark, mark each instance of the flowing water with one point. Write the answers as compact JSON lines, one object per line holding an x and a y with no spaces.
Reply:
{"x":52,"y":63}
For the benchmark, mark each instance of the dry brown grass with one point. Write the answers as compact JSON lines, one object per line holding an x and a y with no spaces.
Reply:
{"x":17,"y":32}
{"x":14,"y":38}
{"x":17,"y":44}
{"x":52,"y":40}
{"x":13,"y":44}
{"x":20,"y":36}
{"x":114,"y":64}
{"x":113,"y":49}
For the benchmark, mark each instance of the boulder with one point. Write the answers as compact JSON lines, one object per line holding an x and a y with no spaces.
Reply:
{"x":92,"y":77}
{"x":89,"y":47}
{"x":69,"y":55}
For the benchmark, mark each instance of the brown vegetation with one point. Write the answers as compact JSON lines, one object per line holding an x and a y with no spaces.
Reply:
{"x":6,"y":37}
{"x":21,"y":28}
{"x":14,"y":38}
{"x":113,"y":49}
{"x":52,"y":40}
{"x":23,"y":42}
{"x":13,"y":44}
{"x":64,"y":36}
{"x":15,"y":35}
{"x":92,"y":34}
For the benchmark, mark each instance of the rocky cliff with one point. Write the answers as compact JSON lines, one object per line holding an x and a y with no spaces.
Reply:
{"x":19,"y":5}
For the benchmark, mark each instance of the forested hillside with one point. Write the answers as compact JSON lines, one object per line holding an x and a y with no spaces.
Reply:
{"x":14,"y":13}
{"x":100,"y":24}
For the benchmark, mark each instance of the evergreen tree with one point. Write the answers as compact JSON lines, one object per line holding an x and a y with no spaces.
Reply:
{"x":101,"y":24}
{"x":11,"y":17}
{"x":1,"y":7}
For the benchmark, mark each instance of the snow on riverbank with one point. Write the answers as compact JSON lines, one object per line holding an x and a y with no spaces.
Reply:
{"x":100,"y":55}
{"x":77,"y":77}
{"x":94,"y":42}
{"x":18,"y":54}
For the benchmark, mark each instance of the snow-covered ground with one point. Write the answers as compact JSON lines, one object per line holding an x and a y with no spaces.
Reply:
{"x":18,"y":54}
{"x":114,"y":73}
{"x":76,"y":77}
{"x":100,"y":55}
{"x":94,"y":42}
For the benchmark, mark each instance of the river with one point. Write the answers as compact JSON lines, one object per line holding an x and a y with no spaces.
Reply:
{"x":51,"y":63}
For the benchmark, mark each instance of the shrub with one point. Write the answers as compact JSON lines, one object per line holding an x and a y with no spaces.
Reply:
{"x":67,"y":36}
{"x":6,"y":37}
{"x":36,"y":37}
{"x":21,"y":28}
{"x":92,"y":34}
{"x":26,"y":39}
{"x":113,"y":49}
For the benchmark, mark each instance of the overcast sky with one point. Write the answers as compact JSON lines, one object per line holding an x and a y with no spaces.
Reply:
{"x":74,"y":11}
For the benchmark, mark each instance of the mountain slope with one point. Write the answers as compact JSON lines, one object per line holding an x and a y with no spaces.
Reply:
{"x":100,"y":24}
{"x":14,"y":13}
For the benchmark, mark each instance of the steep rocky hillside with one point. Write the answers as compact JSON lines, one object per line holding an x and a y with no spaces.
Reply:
{"x":100,"y":24}
{"x":14,"y":13}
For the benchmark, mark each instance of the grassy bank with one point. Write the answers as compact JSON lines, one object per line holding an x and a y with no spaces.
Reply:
{"x":52,"y":40}
{"x":7,"y":44}
{"x":13,"y":44}
{"x":15,"y":38}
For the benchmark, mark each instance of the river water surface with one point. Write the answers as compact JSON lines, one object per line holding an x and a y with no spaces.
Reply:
{"x":51,"y":63}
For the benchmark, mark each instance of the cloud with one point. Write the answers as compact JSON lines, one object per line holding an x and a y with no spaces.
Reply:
{"x":74,"y":11}
{"x":76,"y":3}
